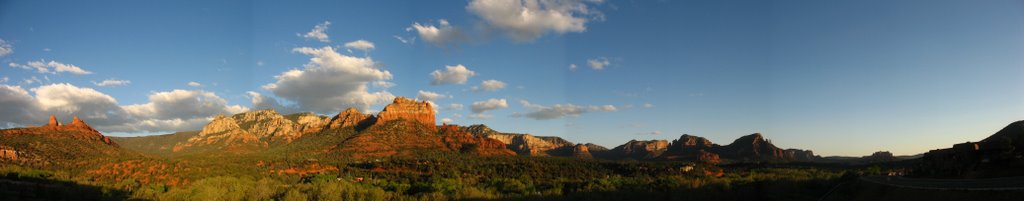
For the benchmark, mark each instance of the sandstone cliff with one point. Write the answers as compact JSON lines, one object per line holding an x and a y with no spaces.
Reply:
{"x":691,"y":148}
{"x":254,"y":129}
{"x":526,"y":144}
{"x":349,"y":118}
{"x":635,"y":149}
{"x":403,"y":108}
{"x":404,"y":137}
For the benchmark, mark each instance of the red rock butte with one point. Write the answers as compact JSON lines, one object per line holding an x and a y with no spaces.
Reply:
{"x":404,"y":108}
{"x":76,"y":124}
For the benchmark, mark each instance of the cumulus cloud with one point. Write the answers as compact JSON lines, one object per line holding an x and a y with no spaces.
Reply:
{"x":527,"y":20}
{"x":447,"y":120}
{"x":261,"y":102}
{"x":429,"y":96}
{"x":598,"y":63}
{"x":176,"y":110}
{"x":52,"y":67}
{"x":490,"y":104}
{"x":572,"y":67}
{"x":541,"y":112}
{"x":488,"y":85}
{"x":194,"y":84}
{"x":442,"y":35}
{"x":384,"y":84}
{"x":5,"y":48}
{"x":457,"y":74}
{"x":112,"y":83}
{"x":318,"y":33}
{"x":183,"y":104}
{"x":360,"y":45}
{"x":331,"y":82}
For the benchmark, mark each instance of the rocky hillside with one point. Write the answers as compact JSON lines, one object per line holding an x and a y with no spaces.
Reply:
{"x":406,"y":128}
{"x":56,"y":144}
{"x":253,"y":129}
{"x":526,"y":144}
{"x":752,"y":147}
{"x":691,"y":148}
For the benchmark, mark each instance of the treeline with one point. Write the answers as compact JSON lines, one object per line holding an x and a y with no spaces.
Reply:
{"x":448,"y":177}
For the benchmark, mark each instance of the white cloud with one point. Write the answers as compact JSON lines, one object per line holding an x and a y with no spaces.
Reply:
{"x":59,"y":99}
{"x":4,"y":79}
{"x":260,"y":102}
{"x":442,"y":35}
{"x":447,"y":120}
{"x":541,"y":112}
{"x":384,"y":84}
{"x":183,"y":104}
{"x":490,"y":104}
{"x":453,"y":106}
{"x":572,"y":67}
{"x":409,"y":40}
{"x":52,"y":67}
{"x":488,"y":85}
{"x":360,"y":45}
{"x":527,"y":20}
{"x":112,"y":83}
{"x":194,"y":84}
{"x":648,"y":105}
{"x":5,"y":48}
{"x":31,"y":80}
{"x":457,"y":74}
{"x":430,"y":96}
{"x":19,"y":107}
{"x":318,"y":33}
{"x":331,"y":82}
{"x":598,"y":63}
{"x":480,"y":116}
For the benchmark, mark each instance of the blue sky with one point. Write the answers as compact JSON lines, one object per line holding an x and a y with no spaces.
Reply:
{"x":839,"y":78}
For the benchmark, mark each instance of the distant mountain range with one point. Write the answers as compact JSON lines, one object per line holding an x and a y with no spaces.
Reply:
{"x":403,"y":128}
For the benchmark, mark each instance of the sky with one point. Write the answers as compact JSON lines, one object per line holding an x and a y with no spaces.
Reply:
{"x":839,"y":77}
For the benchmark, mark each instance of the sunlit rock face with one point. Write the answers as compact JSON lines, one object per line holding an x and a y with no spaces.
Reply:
{"x":526,"y":144}
{"x":350,"y":117}
{"x":404,"y":108}
{"x":636,"y":149}
{"x":256,"y":127}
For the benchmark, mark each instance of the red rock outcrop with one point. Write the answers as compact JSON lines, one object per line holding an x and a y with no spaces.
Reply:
{"x":635,"y":149}
{"x":77,"y":123}
{"x":410,"y":138}
{"x":255,"y":128}
{"x":581,"y":151}
{"x":53,"y":121}
{"x":753,"y":147}
{"x":8,"y":153}
{"x":350,"y":117}
{"x":526,"y":144}
{"x":404,"y":108}
{"x":691,"y":148}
